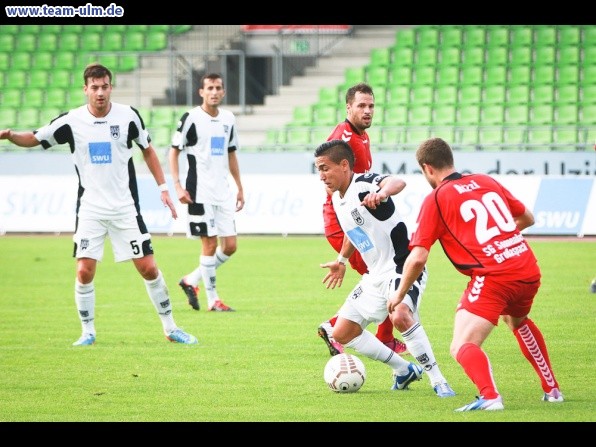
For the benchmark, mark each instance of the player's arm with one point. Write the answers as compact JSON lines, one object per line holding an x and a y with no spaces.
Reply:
{"x":389,"y":186}
{"x":181,"y":192}
{"x":22,"y":139}
{"x":524,"y":220}
{"x":413,"y":267}
{"x":154,"y":166}
{"x":235,"y":172}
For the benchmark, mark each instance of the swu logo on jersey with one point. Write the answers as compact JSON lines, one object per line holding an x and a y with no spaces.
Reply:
{"x":360,"y":240}
{"x":217,"y":145}
{"x":100,"y":153}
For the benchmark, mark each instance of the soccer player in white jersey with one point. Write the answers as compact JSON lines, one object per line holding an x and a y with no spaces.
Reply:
{"x":101,"y":136}
{"x":207,"y":135}
{"x":373,"y":226}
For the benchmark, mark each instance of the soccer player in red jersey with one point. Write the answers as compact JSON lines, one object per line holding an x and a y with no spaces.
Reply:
{"x":360,"y":106}
{"x":478,"y":223}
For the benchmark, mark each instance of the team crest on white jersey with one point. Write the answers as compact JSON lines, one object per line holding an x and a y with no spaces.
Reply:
{"x":357,"y":217}
{"x":115,"y":132}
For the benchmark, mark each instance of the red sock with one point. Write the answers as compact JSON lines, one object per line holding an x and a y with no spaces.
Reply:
{"x":533,"y":347}
{"x":332,"y":320}
{"x":476,"y":365}
{"x":385,"y":331}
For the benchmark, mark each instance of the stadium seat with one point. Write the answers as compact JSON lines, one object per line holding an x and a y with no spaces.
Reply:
{"x":128,"y":62}
{"x":519,"y":74}
{"x":540,"y":137}
{"x":380,"y":57}
{"x":567,"y":93}
{"x":497,"y":36}
{"x":328,"y":96}
{"x":47,"y":114}
{"x":21,"y":61}
{"x":7,"y":42}
{"x":495,"y":74}
{"x":112,"y":41}
{"x":588,"y":75}
{"x":545,"y":35}
{"x":4,"y":61}
{"x":445,"y":114}
{"x":15,"y":79}
{"x":452,"y":36}
{"x":376,"y":75}
{"x":8,"y":115}
{"x":449,"y":56}
{"x":566,"y":113}
{"x":399,"y":74}
{"x":474,"y":35}
{"x":422,"y":94}
{"x":56,"y":97}
{"x":11,"y":98}
{"x":541,"y":113}
{"x":494,"y":94}
{"x":587,"y":113}
{"x":95,"y":28}
{"x":354,"y":75}
{"x":424,"y":75}
{"x":26,"y":43}
{"x":521,"y":55}
{"x":446,"y":94}
{"x":521,"y":36}
{"x":403,"y":55}
{"x":64,"y":60}
{"x":33,"y":97}
{"x":568,"y":55}
{"x":545,"y":55}
{"x":156,"y":41}
{"x":497,"y":56}
{"x":398,"y":94}
{"x":42,"y":60}
{"x":405,"y":37}
{"x":519,"y":93}
{"x":28,"y":118}
{"x":471,"y":75}
{"x":568,"y":73}
{"x":472,"y":56}
{"x":325,"y":115}
{"x":492,"y":114}
{"x":302,"y":116}
{"x":134,"y":41}
{"x":420,"y":115}
{"x":395,"y":115}
{"x":68,"y":41}
{"x":425,"y":56}
{"x":427,"y":36}
{"x":542,"y":94}
{"x":61,"y":78}
{"x":569,"y":36}
{"x":47,"y":42}
{"x":588,"y":93}
{"x":10,"y":29}
{"x":90,"y":41}
{"x":470,"y":94}
{"x":516,"y":113}
{"x":490,"y":138}
{"x":468,"y":114}
{"x":447,"y":75}
{"x":544,"y":74}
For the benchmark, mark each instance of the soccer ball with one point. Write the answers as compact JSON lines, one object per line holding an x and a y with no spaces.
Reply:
{"x":344,"y":373}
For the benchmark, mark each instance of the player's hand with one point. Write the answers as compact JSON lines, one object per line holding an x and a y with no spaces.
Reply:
{"x":183,"y":195}
{"x":336,"y":273}
{"x":167,"y":201}
{"x":373,"y":199}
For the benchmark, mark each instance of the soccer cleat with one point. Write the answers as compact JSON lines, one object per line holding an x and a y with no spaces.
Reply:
{"x":191,"y":293}
{"x":484,"y":404}
{"x":443,"y":390}
{"x":553,"y":396}
{"x":402,"y":382}
{"x":85,"y":340}
{"x":324,"y":332}
{"x":219,"y":306}
{"x":397,"y":346}
{"x":179,"y":336}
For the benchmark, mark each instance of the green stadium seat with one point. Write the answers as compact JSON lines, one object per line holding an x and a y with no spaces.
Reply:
{"x":468,"y":114}
{"x":75,"y":96}
{"x":518,"y":94}
{"x":2,"y":76}
{"x":520,"y":74}
{"x":90,"y":41}
{"x":28,"y":118}
{"x":15,"y":79}
{"x":541,"y":113}
{"x":379,"y":93}
{"x":392,"y":135}
{"x":134,"y":41}
{"x":588,"y":35}
{"x":492,"y":114}
{"x":7,"y":42}
{"x":405,"y":37}
{"x":446,"y":94}
{"x":128,"y":62}
{"x":21,"y":61}
{"x":325,"y":115}
{"x":588,"y":74}
{"x":568,"y":74}
{"x":494,"y":94}
{"x":403,"y":55}
{"x":569,"y":35}
{"x":4,"y":61}
{"x":497,"y":36}
{"x":587,"y":93}
{"x":399,"y":74}
{"x":544,"y":74}
{"x":11,"y":97}
{"x":156,"y":41}
{"x":416,"y":135}
{"x":42,"y":60}
{"x":8,"y":116}
{"x":516,"y":114}
{"x":470,"y":94}
{"x":380,"y":57}
{"x":490,"y":138}
{"x":520,"y":56}
{"x":587,"y":113}
{"x":568,"y":55}
{"x":497,"y":56}
{"x":540,"y":136}
{"x":521,"y":36}
{"x":110,"y":60}
{"x":10,"y":29}
{"x":112,"y":41}
{"x":424,"y":75}
{"x":514,"y":136}
{"x":420,"y":115}
{"x":545,"y":55}
{"x":61,"y":78}
{"x":398,"y":94}
{"x":472,"y":56}
{"x":495,"y":74}
{"x":445,"y":114}
{"x":565,"y":113}
{"x":567,"y":93}
{"x":64,"y":59}
{"x":56,"y":97}
{"x":542,"y":94}
{"x":68,"y":41}
{"x":471,"y":75}
{"x":474,"y":35}
{"x":25,"y":42}
{"x":354,"y":75}
{"x":449,"y":56}
{"x":447,"y":75}
{"x":566,"y":137}
{"x":452,"y":36}
{"x":329,"y":96}
{"x":425,"y":56}
{"x":545,"y":35}
{"x":47,"y":42}
{"x":376,"y":75}
{"x":421,"y":94}
{"x":395,"y":115}
{"x":427,"y":36}
{"x":33,"y":97}
{"x":47,"y":114}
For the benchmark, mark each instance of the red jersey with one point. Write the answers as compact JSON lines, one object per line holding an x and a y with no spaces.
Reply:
{"x":472,"y":217}
{"x":360,"y":145}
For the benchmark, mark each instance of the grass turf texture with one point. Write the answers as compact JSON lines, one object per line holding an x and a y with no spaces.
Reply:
{"x":263,"y":362}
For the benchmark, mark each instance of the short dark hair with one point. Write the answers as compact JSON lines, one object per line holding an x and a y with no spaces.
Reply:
{"x":336,"y":150}
{"x":213,"y":77}
{"x":96,"y":70}
{"x":435,"y":152}
{"x":361,"y":87}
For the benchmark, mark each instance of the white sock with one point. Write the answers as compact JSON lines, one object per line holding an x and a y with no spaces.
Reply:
{"x":209,"y":281}
{"x":85,"y":302}
{"x":195,"y":277}
{"x":419,"y":346}
{"x":220,"y":257}
{"x":370,"y":346}
{"x":159,"y":296}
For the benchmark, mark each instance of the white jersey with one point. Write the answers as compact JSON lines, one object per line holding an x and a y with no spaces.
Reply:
{"x":207,"y":141}
{"x":380,"y":235}
{"x":102,"y":150}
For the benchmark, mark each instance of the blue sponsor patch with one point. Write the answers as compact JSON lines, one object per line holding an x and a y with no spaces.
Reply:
{"x":100,"y":153}
{"x":217,"y":145}
{"x":360,"y":240}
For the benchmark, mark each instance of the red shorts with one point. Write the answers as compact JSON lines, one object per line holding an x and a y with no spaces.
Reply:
{"x":490,"y":298}
{"x":356,"y":260}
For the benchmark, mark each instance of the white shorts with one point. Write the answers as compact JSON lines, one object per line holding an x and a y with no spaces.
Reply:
{"x":205,"y":219}
{"x":129,"y":237}
{"x":367,"y":302}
